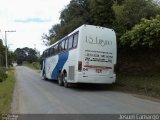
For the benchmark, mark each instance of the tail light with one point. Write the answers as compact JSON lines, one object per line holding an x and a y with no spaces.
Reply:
{"x":79,"y":66}
{"x":115,"y":68}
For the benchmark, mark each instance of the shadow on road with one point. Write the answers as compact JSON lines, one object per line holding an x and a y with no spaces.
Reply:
{"x":87,"y":87}
{"x":93,"y":87}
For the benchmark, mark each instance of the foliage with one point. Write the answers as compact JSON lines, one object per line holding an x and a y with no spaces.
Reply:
{"x":3,"y":74}
{"x":6,"y":92}
{"x":11,"y":55}
{"x":2,"y":54}
{"x":144,"y":34}
{"x":139,"y":84}
{"x":120,"y":15}
{"x":72,"y":16}
{"x":139,"y":71}
{"x":102,"y":13}
{"x":25,"y":54}
{"x":131,"y":12}
{"x":34,"y":65}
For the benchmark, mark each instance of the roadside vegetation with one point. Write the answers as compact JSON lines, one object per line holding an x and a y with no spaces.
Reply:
{"x":6,"y":92}
{"x":148,"y":85}
{"x":3,"y":74}
{"x":7,"y":80}
{"x":139,"y":71}
{"x":28,"y":57}
{"x":34,"y":65}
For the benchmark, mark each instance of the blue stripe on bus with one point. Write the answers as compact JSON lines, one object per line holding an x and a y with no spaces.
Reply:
{"x":62,"y":58}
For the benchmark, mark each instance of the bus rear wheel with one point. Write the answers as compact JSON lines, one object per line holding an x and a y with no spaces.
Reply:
{"x":66,"y":84}
{"x":60,"y":80}
{"x":44,"y":77}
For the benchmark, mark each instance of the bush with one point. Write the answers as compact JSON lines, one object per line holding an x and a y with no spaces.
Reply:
{"x":144,"y":34}
{"x":36,"y":65}
{"x":3,"y":74}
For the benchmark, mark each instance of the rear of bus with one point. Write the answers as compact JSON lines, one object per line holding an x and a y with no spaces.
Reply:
{"x":97,"y":55}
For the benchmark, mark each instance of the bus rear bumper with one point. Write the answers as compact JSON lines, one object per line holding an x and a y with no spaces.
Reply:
{"x":95,"y":79}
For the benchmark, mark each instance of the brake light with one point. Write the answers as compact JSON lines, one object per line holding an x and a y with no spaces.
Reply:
{"x":79,"y":66}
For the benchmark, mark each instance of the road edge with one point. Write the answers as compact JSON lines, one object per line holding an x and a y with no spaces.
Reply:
{"x":15,"y":98}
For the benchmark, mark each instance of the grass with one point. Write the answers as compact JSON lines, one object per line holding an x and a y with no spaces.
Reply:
{"x":6,"y":92}
{"x":144,"y":84}
{"x":34,"y":65}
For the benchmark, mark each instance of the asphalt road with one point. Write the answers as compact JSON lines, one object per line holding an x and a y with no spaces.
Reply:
{"x":34,"y":95}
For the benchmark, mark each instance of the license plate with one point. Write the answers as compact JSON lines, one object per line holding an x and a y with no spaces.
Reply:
{"x":98,"y":71}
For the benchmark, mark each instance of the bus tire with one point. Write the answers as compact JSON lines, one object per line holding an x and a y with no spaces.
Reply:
{"x":44,"y":77}
{"x":60,"y":80}
{"x":66,"y":84}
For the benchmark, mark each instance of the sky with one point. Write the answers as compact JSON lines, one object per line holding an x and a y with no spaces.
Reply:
{"x":30,"y":19}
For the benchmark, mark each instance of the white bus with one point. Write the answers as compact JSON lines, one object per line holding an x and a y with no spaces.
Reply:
{"x":86,"y":55}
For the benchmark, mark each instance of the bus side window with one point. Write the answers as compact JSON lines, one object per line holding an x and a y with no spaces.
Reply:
{"x":75,"y":40}
{"x":70,"y":42}
{"x":52,"y":51}
{"x":49,"y":52}
{"x":46,"y":54}
{"x":62,"y":45}
{"x":66,"y":44}
{"x":43,"y":56}
{"x":56,"y":49}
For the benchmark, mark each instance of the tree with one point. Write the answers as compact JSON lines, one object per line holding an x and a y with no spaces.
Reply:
{"x":20,"y":56}
{"x":76,"y":8}
{"x":31,"y":57}
{"x":121,"y":15}
{"x":11,"y":57}
{"x":2,"y":54}
{"x":72,"y":16}
{"x":131,"y":12}
{"x":25,"y":54}
{"x":144,"y":34}
{"x":79,"y":12}
{"x":102,"y":13}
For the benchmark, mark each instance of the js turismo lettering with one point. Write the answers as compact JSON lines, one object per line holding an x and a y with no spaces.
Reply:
{"x":98,"y":41}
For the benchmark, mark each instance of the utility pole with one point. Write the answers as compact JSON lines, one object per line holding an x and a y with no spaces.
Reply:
{"x":6,"y":50}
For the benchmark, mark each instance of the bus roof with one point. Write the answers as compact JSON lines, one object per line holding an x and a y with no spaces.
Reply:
{"x":84,"y":25}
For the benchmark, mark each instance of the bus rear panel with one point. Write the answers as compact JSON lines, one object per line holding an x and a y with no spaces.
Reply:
{"x":96,"y":56}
